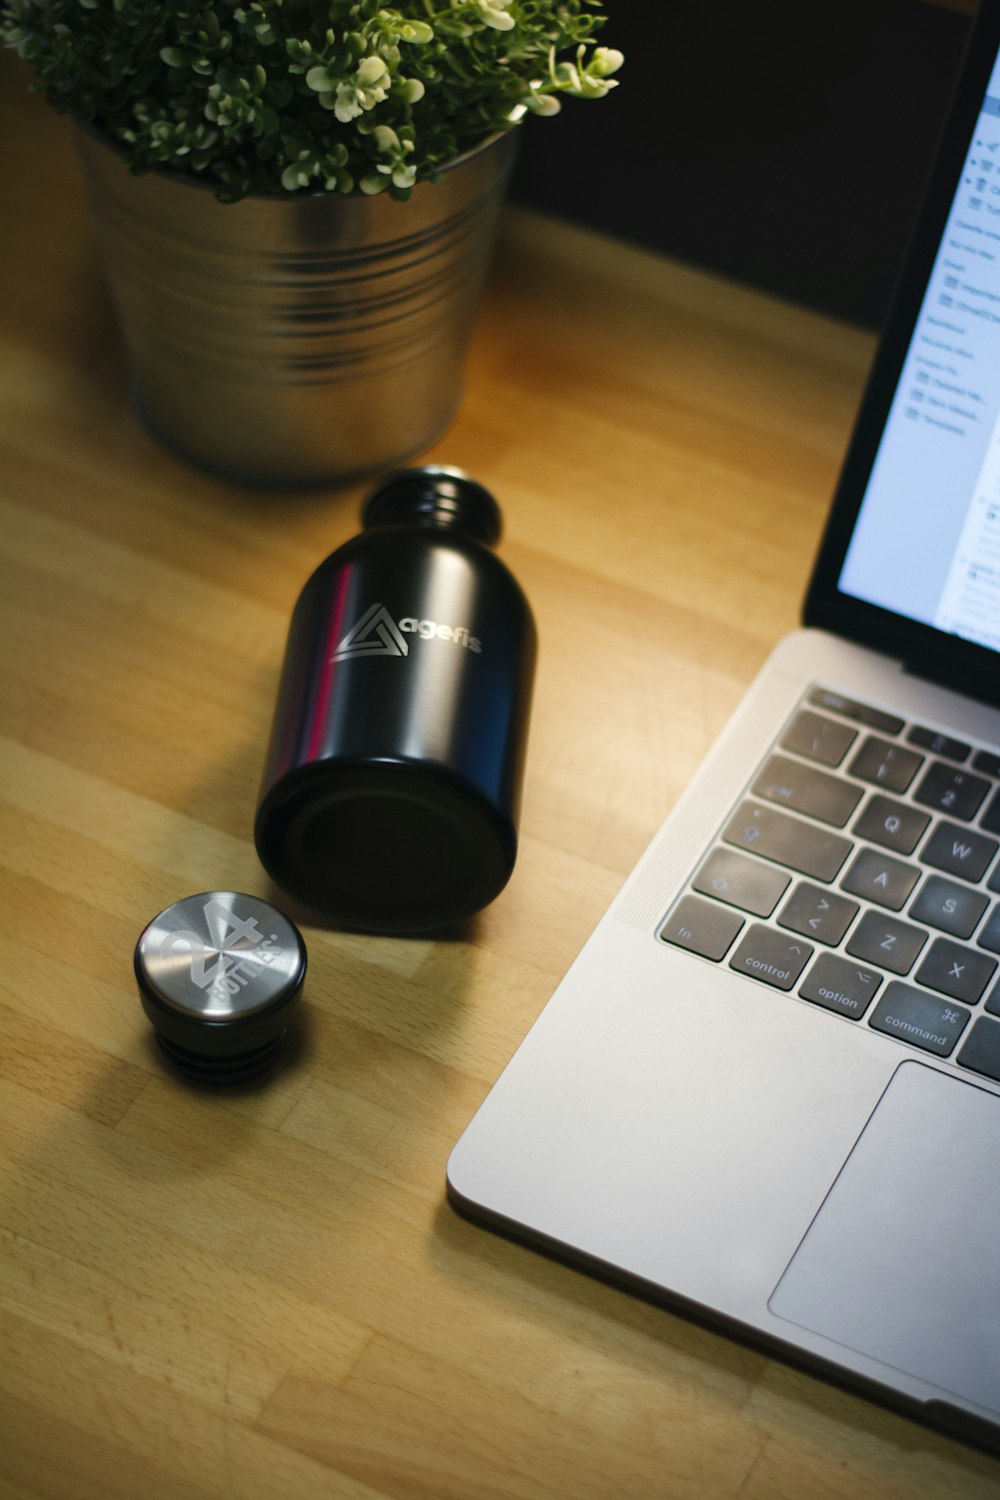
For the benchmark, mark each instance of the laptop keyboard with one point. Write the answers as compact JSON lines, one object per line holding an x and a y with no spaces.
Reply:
{"x":861,"y":873}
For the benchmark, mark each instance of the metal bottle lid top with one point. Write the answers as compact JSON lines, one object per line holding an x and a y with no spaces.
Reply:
{"x":220,"y":956}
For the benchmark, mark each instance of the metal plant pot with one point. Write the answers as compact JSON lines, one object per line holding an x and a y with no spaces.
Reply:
{"x":299,"y":341}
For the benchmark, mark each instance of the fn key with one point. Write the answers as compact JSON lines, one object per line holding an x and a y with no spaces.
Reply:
{"x":701,"y":927}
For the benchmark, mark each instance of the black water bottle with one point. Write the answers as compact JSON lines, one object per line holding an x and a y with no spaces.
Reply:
{"x":392,"y":787}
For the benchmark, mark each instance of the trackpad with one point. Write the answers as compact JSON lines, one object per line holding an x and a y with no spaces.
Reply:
{"x":902,"y":1262}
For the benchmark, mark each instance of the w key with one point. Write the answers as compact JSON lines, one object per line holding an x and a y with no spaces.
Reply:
{"x":959,"y":851}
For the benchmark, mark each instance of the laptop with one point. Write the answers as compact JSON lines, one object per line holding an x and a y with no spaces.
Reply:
{"x":767,"y":1092}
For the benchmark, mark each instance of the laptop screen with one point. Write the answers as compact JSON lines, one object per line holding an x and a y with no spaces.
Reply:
{"x":910,"y":562}
{"x":932,"y":504}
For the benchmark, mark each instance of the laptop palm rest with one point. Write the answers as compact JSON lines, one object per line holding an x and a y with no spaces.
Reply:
{"x":901,"y":1262}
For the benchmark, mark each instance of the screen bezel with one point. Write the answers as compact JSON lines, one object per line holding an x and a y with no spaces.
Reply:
{"x":926,"y":651}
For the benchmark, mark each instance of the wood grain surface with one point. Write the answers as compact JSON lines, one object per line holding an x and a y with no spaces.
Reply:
{"x":262,"y":1295}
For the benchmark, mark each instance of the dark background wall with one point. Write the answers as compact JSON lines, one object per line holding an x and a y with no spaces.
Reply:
{"x":781,"y":142}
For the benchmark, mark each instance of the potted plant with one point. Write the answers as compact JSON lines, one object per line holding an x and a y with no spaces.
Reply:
{"x":296,"y":201}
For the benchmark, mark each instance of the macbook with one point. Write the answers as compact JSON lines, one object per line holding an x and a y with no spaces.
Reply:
{"x":768,"y":1090}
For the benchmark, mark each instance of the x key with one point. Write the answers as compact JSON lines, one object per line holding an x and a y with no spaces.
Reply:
{"x":956,"y":971}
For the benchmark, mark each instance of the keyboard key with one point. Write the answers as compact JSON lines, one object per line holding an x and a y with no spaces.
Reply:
{"x":788,"y":841}
{"x":840,"y":986}
{"x":957,"y":793}
{"x":770,"y":956}
{"x":806,"y":790}
{"x":990,"y":819}
{"x":988,"y":761}
{"x":959,"y":851}
{"x":701,"y":927}
{"x":949,"y":907}
{"x":879,"y":878}
{"x":819,"y":738}
{"x":746,"y":909}
{"x":893,"y":825}
{"x":956,"y":970}
{"x":862,"y":713}
{"x":981,"y":1052}
{"x":818,"y":913}
{"x":885,"y":765}
{"x":746,"y":883}
{"x":940,"y":744}
{"x":990,"y":935}
{"x":919,"y":1018}
{"x":886,"y":941}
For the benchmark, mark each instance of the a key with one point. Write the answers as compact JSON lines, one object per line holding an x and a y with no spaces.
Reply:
{"x":879,"y":878}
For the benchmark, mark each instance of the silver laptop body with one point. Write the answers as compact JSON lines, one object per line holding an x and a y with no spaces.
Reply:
{"x":768,"y":1090}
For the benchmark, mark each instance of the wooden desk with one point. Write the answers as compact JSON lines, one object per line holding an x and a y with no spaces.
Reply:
{"x":263,"y":1294}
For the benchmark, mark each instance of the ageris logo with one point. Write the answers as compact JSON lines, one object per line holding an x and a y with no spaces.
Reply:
{"x":377,"y":634}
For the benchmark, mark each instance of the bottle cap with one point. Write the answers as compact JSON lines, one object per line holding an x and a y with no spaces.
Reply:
{"x":219,"y":974}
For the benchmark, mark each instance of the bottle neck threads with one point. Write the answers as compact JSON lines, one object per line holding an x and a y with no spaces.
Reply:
{"x":443,"y":498}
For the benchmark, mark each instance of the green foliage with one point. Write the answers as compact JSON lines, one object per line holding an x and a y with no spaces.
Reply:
{"x":281,"y":96}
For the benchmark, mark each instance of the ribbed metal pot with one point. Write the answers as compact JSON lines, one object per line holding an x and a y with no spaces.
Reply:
{"x":288,"y":342}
